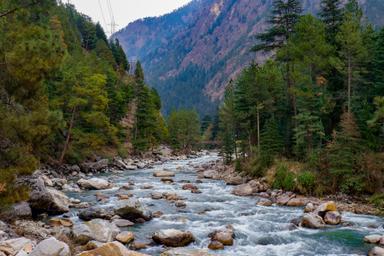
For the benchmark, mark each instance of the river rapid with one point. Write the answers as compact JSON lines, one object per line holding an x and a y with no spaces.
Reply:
{"x":259,"y":230}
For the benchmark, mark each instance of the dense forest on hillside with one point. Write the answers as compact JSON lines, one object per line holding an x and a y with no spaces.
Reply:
{"x":317,"y":104}
{"x":65,"y":92}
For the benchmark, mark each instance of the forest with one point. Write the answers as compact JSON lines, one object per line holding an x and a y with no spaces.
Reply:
{"x":317,"y":103}
{"x":68,"y":94}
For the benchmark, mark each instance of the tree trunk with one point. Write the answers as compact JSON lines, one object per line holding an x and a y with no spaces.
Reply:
{"x":258,"y":131}
{"x":349,"y":83}
{"x":68,"y":139}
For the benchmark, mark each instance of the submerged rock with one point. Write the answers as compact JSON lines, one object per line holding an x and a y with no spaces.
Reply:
{"x":51,"y":247}
{"x":162,"y":174}
{"x":111,"y":249}
{"x":215,"y":245}
{"x":94,"y":184}
{"x":173,"y":237}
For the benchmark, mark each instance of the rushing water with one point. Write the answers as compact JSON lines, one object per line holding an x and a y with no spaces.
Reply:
{"x":259,"y":230}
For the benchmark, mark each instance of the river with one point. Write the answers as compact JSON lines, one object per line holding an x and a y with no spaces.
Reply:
{"x":259,"y":230}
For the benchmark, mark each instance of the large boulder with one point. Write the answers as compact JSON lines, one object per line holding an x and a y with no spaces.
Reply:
{"x":43,"y":199}
{"x":297,"y":201}
{"x":326,"y":207}
{"x":94,"y":183}
{"x":223,"y":236}
{"x":51,"y":247}
{"x":96,"y":212}
{"x":373,"y":239}
{"x":332,"y":218}
{"x":132,"y":210}
{"x":97,"y":229}
{"x":162,"y":174}
{"x":125,"y":237}
{"x":376,"y":251}
{"x":17,"y":211}
{"x":234,"y":180}
{"x":283,"y":199}
{"x":111,"y":249}
{"x":173,"y":237}
{"x":13,"y":246}
{"x":211,"y":174}
{"x":186,"y":252}
{"x":95,"y":166}
{"x":312,"y":220}
{"x":32,"y":229}
{"x":243,"y":190}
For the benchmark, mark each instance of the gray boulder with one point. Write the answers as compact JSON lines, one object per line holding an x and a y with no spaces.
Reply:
{"x":311,"y":220}
{"x":97,"y":229}
{"x":47,"y":200}
{"x":173,"y":237}
{"x":96,"y":212}
{"x":94,"y":183}
{"x":131,"y":209}
{"x":51,"y":247}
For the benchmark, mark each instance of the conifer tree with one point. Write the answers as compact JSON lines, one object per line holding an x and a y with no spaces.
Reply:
{"x":331,"y":14}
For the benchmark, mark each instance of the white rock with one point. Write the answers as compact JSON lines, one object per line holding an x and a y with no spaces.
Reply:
{"x":51,"y":247}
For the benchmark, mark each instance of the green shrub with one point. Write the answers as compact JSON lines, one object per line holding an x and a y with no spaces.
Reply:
{"x":306,"y":182}
{"x":238,"y":166}
{"x":284,"y":179}
{"x":378,"y":201}
{"x":260,"y":164}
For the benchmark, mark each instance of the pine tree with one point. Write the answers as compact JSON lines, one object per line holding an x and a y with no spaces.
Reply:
{"x":344,"y":155}
{"x":352,"y":49}
{"x":285,"y":15}
{"x":332,"y":15}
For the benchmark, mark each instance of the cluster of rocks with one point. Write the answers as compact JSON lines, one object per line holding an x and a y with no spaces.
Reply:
{"x":221,"y":238}
{"x":378,"y":241}
{"x":320,"y":216}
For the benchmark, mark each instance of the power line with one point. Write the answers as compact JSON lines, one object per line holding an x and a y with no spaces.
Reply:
{"x":112,"y":17}
{"x":102,"y":14}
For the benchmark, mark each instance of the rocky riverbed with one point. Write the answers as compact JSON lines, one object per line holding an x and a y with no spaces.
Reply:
{"x":179,"y":206}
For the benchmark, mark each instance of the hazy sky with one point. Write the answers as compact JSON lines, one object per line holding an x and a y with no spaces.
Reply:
{"x":125,"y":11}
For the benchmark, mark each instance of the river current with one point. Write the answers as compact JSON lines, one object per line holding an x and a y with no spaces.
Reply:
{"x":259,"y":230}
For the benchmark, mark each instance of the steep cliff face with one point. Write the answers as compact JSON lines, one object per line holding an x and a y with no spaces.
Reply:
{"x":190,"y":54}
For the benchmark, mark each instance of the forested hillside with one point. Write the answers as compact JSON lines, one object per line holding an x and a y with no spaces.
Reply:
{"x":311,"y":118}
{"x":192,"y":53}
{"x":65,"y":92}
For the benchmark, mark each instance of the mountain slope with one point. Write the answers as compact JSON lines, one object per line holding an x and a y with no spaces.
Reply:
{"x":192,"y":53}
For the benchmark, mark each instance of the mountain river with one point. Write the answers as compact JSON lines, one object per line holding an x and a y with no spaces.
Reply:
{"x":259,"y":230}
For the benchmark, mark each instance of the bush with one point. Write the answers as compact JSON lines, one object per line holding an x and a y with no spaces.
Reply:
{"x":306,"y":182}
{"x":378,"y":201}
{"x":260,"y":164}
{"x":284,"y":179}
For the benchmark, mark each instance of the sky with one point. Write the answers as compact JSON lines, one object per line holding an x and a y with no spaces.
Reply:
{"x":125,"y":11}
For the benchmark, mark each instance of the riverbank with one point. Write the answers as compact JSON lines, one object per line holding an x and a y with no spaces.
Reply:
{"x":179,"y":202}
{"x":247,"y":186}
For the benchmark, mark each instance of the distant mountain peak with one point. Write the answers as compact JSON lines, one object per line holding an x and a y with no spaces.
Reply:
{"x":190,"y":54}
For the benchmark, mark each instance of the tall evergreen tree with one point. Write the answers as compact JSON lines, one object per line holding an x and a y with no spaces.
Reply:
{"x":331,"y":14}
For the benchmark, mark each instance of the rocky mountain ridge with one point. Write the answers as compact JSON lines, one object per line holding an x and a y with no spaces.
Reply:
{"x":190,"y":54}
